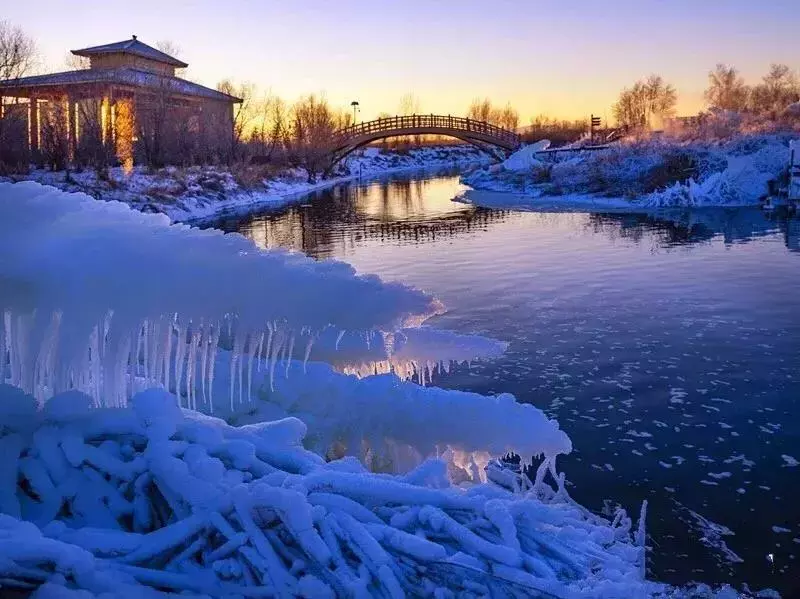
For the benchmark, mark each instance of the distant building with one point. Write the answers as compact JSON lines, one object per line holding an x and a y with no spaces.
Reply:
{"x":130,"y":100}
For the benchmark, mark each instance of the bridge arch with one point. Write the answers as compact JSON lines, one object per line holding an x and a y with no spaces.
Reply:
{"x":479,"y":133}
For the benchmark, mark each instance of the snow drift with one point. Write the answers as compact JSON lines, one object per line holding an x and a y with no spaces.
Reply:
{"x":122,"y":501}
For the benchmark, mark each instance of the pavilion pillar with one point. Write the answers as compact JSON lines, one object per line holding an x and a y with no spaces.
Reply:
{"x":107,"y":119}
{"x":33,"y":123}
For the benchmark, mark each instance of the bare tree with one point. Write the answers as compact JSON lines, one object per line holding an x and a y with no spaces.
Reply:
{"x":557,"y":131}
{"x":313,"y":123}
{"x":648,"y":101}
{"x":245,"y":113}
{"x":76,"y":63}
{"x":777,"y":90}
{"x":17,"y":57}
{"x":17,"y":52}
{"x":171,"y":48}
{"x":93,"y":150}
{"x":271,"y":132}
{"x":54,"y":135}
{"x":409,"y":104}
{"x":726,"y":89}
{"x":484,"y":110}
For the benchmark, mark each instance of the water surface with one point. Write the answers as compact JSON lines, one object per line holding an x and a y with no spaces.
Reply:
{"x":667,"y":347}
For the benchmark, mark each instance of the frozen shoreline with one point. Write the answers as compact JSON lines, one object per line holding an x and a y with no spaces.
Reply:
{"x":639,"y":176}
{"x":196,"y":195}
{"x":249,"y":202}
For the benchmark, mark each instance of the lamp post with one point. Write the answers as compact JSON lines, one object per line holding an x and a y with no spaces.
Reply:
{"x":355,"y":106}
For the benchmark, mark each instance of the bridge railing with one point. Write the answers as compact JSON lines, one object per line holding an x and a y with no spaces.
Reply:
{"x":428,"y":121}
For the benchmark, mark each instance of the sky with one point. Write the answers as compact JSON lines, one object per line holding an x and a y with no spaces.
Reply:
{"x":563,"y":58}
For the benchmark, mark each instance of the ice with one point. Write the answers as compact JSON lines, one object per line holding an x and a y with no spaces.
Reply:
{"x":276,"y":519}
{"x":789,"y":461}
{"x":106,"y":300}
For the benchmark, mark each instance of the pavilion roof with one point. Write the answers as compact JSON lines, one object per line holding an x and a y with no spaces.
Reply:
{"x":119,"y":76}
{"x":131,"y":46}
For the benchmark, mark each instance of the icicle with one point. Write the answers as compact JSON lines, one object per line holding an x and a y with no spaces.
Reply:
{"x":168,"y":352}
{"x":194,"y":341}
{"x":212,"y":360}
{"x":289,"y":355}
{"x":204,"y":340}
{"x":276,"y":346}
{"x":251,"y":358}
{"x":180,"y":356}
{"x":260,"y":350}
{"x":236,"y":357}
{"x":309,"y":345}
{"x":270,"y":330}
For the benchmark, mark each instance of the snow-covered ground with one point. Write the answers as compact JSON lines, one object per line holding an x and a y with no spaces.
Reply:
{"x":661,"y":173}
{"x":203,"y":193}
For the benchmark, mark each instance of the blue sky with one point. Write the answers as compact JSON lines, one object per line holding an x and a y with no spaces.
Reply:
{"x":565,"y":59}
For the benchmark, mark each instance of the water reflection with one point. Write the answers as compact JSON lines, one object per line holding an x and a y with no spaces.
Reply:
{"x":420,"y":210}
{"x":402,"y":210}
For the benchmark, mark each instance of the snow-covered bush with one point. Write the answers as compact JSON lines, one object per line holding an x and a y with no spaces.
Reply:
{"x":657,"y":172}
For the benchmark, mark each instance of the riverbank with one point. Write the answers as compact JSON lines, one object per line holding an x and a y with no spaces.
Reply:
{"x":639,"y":176}
{"x":197,"y":194}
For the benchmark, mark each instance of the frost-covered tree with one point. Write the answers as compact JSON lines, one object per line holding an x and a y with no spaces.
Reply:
{"x":726,"y":89}
{"x":646,"y":103}
{"x":778,"y":89}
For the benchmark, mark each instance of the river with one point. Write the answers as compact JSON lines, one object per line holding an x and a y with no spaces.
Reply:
{"x":667,"y":347}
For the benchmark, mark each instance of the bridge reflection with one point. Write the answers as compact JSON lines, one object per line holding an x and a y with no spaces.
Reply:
{"x":403,"y":210}
{"x":395,"y":210}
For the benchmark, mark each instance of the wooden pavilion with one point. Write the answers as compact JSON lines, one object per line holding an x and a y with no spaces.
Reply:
{"x":130,"y":99}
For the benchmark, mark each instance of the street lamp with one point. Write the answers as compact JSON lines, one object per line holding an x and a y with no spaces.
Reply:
{"x":355,"y":106}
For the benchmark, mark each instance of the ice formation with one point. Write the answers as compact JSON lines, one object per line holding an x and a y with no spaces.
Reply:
{"x":392,"y":425}
{"x":124,"y":501}
{"x":97,"y":297}
{"x":411,"y":353}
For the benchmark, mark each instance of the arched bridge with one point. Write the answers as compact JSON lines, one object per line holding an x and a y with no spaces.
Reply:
{"x":487,"y":137}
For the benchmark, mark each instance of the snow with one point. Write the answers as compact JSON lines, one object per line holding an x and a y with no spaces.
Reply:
{"x":525,"y":159}
{"x":274,"y":518}
{"x":638,"y":176}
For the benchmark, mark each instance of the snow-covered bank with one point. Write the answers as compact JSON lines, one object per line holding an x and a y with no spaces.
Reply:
{"x":642,"y":175}
{"x":198,"y":194}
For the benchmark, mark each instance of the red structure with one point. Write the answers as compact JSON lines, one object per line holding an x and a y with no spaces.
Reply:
{"x":129,"y":100}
